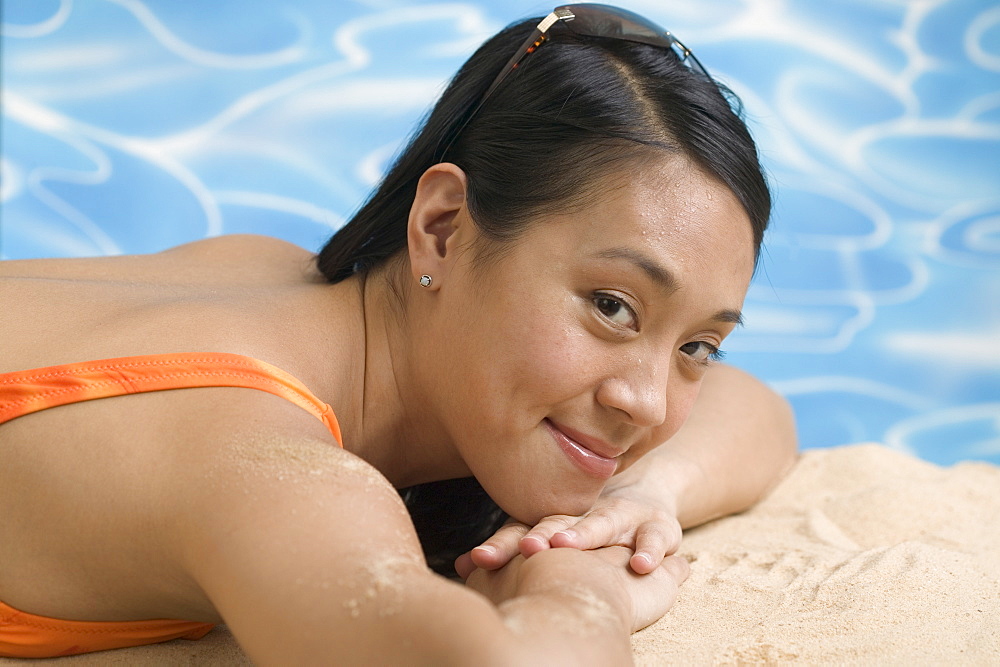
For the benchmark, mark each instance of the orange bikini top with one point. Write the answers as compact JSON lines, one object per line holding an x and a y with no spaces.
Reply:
{"x":24,"y":635}
{"x":24,"y":392}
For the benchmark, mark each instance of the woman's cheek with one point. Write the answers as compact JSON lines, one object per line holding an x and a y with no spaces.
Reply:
{"x":680,"y":404}
{"x":557,"y":357}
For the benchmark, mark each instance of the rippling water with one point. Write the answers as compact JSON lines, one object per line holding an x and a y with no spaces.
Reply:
{"x":133,"y":125}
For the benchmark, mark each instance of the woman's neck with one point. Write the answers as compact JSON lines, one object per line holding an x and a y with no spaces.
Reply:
{"x":389,"y":423}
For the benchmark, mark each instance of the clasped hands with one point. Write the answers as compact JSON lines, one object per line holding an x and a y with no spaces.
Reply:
{"x":623,"y":516}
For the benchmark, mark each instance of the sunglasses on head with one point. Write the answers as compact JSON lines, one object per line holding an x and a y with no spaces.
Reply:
{"x":591,"y":20}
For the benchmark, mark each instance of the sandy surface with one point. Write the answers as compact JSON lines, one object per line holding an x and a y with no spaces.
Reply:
{"x":862,"y":555}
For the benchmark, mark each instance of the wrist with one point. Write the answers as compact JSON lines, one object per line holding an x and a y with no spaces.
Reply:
{"x":686,"y":480}
{"x":567,"y":617}
{"x":569,"y":608}
{"x":661,"y":479}
{"x":554,"y":575}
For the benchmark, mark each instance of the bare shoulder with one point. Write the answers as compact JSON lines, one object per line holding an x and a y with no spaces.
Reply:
{"x":276,"y":501}
{"x":244,"y":259}
{"x":198,"y":259}
{"x":240,"y":249}
{"x":262,"y":446}
{"x":300,"y":547}
{"x":309,"y":556}
{"x":236,"y":243}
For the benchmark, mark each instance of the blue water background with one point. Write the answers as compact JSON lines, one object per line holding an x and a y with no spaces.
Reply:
{"x":133,"y":125}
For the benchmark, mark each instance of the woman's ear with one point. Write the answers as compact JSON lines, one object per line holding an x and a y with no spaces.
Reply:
{"x":435,"y":217}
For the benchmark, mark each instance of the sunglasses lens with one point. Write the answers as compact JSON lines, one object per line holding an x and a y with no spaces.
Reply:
{"x":616,"y":23}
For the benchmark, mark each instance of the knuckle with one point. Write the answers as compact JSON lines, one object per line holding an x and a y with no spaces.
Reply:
{"x":559,"y":521}
{"x":657,"y":534}
{"x":601,"y":522}
{"x":663,"y":516}
{"x":506,"y":534}
{"x":514,"y":523}
{"x":548,"y":527}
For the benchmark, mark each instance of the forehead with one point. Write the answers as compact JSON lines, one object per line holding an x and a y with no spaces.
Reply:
{"x":671,"y":210}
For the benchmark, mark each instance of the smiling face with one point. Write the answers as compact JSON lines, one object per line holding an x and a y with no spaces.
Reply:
{"x":583,"y":347}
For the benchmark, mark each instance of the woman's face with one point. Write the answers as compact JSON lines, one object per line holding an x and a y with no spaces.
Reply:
{"x":583,"y":347}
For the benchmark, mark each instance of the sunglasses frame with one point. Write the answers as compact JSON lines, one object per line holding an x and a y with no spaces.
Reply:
{"x":590,"y":20}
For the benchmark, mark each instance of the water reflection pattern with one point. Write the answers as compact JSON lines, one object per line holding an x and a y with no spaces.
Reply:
{"x":132,"y":125}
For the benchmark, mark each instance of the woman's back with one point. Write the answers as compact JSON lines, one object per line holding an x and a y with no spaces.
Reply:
{"x":216,"y":292}
{"x":246,"y":295}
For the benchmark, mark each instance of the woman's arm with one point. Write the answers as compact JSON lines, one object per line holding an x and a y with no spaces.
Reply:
{"x":736,"y":445}
{"x":738,"y":442}
{"x":309,"y":556}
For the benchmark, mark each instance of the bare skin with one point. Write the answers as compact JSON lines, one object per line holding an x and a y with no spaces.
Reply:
{"x":705,"y":471}
{"x":232,"y":504}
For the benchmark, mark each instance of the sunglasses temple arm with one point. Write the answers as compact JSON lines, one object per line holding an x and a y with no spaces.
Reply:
{"x":512,"y":64}
{"x":537,"y":35}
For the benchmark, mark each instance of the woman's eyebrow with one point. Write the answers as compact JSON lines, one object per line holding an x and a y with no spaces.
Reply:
{"x":658,"y":273}
{"x":663,"y":278}
{"x":731,"y":316}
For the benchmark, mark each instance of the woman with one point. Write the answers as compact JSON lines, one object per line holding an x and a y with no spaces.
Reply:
{"x":528,"y":306}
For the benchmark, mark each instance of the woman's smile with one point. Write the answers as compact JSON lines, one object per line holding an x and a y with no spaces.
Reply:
{"x":584,"y":456}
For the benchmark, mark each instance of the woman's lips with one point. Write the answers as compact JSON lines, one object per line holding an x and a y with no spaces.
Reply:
{"x":586,"y":459}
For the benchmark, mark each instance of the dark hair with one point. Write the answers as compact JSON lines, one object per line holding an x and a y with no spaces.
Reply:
{"x":572,"y":112}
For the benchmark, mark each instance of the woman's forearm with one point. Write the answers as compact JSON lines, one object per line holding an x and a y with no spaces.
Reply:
{"x":547,"y":626}
{"x":563,"y":607}
{"x":736,"y":445}
{"x":576,"y":607}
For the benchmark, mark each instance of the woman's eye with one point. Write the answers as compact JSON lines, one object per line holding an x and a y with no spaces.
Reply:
{"x":702,"y":351}
{"x":615,"y":310}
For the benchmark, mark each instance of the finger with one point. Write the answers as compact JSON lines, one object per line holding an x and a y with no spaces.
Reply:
{"x":464,"y":565}
{"x":653,"y":541}
{"x":617,"y":555}
{"x":538,"y":538}
{"x":593,"y":531}
{"x":678,"y":568}
{"x":498,"y":550}
{"x":667,"y":580}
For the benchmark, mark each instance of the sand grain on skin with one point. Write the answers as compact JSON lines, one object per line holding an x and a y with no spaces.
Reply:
{"x":380,"y":581}
{"x":578,"y":618}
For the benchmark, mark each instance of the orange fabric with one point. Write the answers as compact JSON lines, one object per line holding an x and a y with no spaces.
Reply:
{"x":24,"y":635}
{"x":24,"y":392}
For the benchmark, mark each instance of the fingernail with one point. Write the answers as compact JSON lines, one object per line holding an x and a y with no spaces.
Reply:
{"x":571,"y":534}
{"x":486,"y":549}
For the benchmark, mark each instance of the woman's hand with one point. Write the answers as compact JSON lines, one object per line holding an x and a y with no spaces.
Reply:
{"x":624,"y":515}
{"x":595,"y":586}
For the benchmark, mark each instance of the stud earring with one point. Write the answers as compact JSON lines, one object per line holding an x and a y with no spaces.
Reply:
{"x":426,"y":280}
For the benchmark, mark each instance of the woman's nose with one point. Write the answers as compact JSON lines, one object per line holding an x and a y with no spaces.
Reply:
{"x":640,"y":391}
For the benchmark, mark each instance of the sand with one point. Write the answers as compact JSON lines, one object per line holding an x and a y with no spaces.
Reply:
{"x":862,"y":555}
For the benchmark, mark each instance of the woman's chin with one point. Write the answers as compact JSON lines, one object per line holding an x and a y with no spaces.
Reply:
{"x":531,"y":514}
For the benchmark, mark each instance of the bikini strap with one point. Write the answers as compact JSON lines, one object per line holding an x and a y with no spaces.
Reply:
{"x":24,"y":392}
